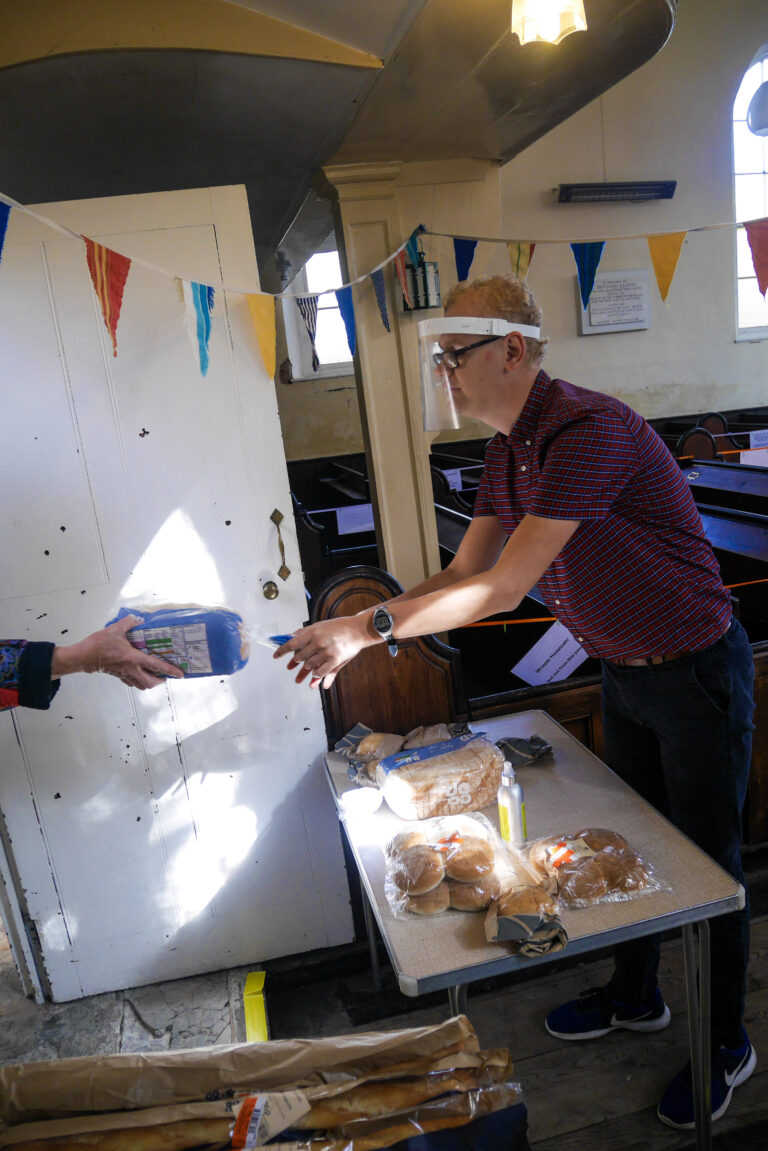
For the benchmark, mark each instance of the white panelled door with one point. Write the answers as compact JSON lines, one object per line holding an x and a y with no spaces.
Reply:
{"x":148,"y":836}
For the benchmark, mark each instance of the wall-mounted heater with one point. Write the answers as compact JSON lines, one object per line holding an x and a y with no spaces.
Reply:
{"x":612,"y":191}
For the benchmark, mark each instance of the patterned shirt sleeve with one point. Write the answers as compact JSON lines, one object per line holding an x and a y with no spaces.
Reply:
{"x":587,"y":466}
{"x":25,"y":674}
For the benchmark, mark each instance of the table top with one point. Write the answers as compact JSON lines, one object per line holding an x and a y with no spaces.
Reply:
{"x":565,"y":792}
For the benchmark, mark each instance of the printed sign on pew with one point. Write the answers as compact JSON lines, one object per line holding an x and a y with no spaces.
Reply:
{"x":551,"y":658}
{"x":757,"y":459}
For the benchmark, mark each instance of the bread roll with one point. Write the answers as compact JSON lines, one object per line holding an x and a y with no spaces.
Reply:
{"x":469,"y":860}
{"x":435,"y":901}
{"x":418,"y":869}
{"x":405,"y":839}
{"x":461,"y":780}
{"x":473,"y":896}
{"x":374,"y":747}
{"x":600,"y":838}
{"x":525,"y":901}
{"x":424,"y":736}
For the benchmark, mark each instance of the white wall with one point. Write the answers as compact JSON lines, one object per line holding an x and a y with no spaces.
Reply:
{"x":669,"y":120}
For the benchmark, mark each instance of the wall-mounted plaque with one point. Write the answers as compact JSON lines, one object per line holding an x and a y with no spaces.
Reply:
{"x":620,"y":302}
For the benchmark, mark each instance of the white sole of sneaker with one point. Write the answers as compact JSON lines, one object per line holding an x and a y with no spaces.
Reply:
{"x":642,"y":1025}
{"x":742,"y":1076}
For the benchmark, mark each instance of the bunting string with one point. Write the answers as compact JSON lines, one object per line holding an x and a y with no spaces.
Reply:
{"x":408,"y":245}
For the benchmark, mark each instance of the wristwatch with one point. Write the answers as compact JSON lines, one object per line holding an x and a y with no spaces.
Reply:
{"x":383,"y":624}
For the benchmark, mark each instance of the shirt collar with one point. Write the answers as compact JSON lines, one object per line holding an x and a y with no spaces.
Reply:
{"x":527,"y":422}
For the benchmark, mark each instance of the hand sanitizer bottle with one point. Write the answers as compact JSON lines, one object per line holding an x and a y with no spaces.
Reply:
{"x":511,"y":808}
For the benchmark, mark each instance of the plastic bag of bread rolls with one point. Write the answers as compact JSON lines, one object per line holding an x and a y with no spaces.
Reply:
{"x":594,"y":865}
{"x":453,"y":862}
{"x":447,"y":778}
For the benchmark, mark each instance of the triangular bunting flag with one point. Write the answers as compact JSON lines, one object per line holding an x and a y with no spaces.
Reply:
{"x":665,"y":252}
{"x":262,"y":309}
{"x":587,"y":257}
{"x":344,"y":300}
{"x":307,"y":305}
{"x":5,"y":212}
{"x":412,"y":245}
{"x":757,"y":234}
{"x":464,"y":251}
{"x":198,"y":306}
{"x":520,"y":256}
{"x":381,"y":299}
{"x":109,"y":271}
{"x":399,"y":262}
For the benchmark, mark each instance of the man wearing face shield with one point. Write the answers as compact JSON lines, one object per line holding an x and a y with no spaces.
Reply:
{"x":581,"y":498}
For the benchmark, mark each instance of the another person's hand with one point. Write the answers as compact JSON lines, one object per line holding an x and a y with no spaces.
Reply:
{"x":109,"y":651}
{"x":321,"y":650}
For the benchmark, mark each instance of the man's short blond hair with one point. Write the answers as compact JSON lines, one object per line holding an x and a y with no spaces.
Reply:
{"x":505,"y":297}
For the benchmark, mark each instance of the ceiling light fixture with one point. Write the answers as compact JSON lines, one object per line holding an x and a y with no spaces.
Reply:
{"x":757,"y":114}
{"x":550,"y":20}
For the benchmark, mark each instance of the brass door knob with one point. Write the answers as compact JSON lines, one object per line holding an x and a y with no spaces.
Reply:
{"x":270,"y":590}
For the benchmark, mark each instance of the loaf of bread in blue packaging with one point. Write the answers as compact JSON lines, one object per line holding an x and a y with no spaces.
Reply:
{"x":449,"y":778}
{"x":200,"y":640}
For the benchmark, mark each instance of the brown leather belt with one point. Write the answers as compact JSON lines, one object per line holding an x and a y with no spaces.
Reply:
{"x":649,"y":660}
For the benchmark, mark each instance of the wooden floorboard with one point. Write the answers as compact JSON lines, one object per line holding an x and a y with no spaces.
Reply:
{"x":603,"y":1093}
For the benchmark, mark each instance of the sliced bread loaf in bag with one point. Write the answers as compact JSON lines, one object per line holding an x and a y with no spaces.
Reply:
{"x":457,"y":775}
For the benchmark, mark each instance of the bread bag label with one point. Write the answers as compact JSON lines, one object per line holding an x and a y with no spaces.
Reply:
{"x":261,"y":1117}
{"x":568,"y":850}
{"x":421,"y":754}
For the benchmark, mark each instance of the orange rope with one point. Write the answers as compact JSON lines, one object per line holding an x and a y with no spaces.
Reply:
{"x":552,"y":619}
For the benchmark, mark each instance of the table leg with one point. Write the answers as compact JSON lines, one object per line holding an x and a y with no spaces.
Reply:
{"x":370,"y":931}
{"x":457,"y":999}
{"x":699,"y":1030}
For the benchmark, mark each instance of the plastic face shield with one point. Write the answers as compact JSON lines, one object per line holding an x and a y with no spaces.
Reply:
{"x":437,"y":403}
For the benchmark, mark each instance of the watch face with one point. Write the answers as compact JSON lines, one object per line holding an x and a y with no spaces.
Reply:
{"x":382,"y":621}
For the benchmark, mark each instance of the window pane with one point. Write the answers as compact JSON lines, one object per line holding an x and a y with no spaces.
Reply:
{"x":744,"y":265}
{"x":331,"y":338}
{"x":323,"y":272}
{"x":750,"y":197}
{"x":753,"y":309}
{"x":748,"y":150}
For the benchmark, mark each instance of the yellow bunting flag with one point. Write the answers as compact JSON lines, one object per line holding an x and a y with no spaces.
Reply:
{"x":520,"y":256}
{"x":263,"y":316}
{"x":665,"y":252}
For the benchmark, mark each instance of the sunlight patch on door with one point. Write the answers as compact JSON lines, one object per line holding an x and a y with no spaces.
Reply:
{"x":215,"y":848}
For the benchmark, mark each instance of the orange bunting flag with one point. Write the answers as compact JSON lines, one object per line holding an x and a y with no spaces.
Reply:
{"x":757,"y":234}
{"x":262,"y":309}
{"x":109,"y":271}
{"x":520,"y":256}
{"x":665,"y":252}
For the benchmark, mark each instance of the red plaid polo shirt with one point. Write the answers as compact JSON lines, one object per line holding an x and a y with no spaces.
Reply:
{"x":638,"y":577}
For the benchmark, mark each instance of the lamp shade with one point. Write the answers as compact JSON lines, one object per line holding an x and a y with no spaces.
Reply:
{"x":757,"y":113}
{"x":550,"y":20}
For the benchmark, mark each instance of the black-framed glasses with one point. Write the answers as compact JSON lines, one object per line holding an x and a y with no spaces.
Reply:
{"x":450,"y":358}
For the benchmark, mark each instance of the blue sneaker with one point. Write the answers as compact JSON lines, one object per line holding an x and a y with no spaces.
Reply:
{"x":729,"y":1069}
{"x":595,"y":1013}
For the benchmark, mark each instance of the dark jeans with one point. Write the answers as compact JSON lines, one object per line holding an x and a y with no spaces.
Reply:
{"x":680,"y":734}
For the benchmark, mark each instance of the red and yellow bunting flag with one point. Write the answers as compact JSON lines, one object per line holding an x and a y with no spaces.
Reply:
{"x":109,"y":271}
{"x":520,"y":256}
{"x":665,"y":252}
{"x":757,"y":234}
{"x":399,"y":263}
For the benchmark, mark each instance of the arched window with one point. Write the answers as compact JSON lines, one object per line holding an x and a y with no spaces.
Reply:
{"x":750,"y":171}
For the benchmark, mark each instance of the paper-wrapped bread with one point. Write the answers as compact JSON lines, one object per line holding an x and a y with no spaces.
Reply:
{"x":457,"y":775}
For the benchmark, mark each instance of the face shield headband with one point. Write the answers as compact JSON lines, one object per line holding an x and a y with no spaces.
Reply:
{"x":438,"y":408}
